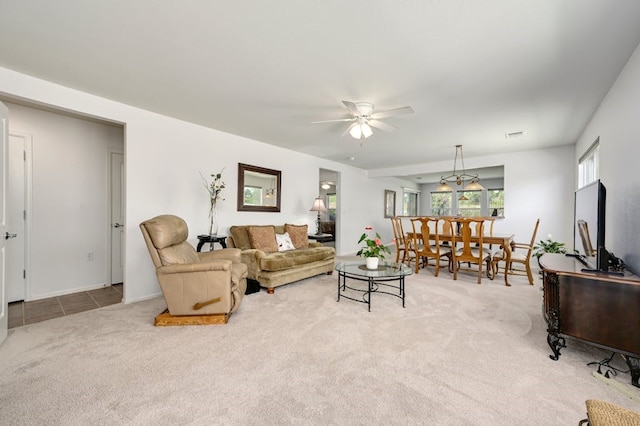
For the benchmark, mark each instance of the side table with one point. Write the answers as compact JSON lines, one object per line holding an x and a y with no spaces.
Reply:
{"x":211,"y":239}
{"x":321,"y":238}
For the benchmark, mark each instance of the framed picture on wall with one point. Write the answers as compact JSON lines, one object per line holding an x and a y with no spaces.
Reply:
{"x":389,"y":203}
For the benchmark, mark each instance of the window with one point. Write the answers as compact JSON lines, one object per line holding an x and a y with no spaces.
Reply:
{"x":410,"y":202}
{"x":496,"y":202}
{"x":471,"y":204}
{"x":441,"y":203}
{"x":332,"y":204}
{"x":589,"y":165}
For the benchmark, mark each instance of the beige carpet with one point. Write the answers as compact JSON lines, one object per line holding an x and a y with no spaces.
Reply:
{"x":458,"y":354}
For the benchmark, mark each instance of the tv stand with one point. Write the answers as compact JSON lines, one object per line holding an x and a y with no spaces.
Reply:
{"x":596,"y":308}
{"x":579,"y":257}
{"x":597,"y":271}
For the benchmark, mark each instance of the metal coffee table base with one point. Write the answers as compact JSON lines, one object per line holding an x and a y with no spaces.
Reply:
{"x":374,"y":285}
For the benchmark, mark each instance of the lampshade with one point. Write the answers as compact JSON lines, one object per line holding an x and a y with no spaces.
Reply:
{"x":318,"y":206}
{"x":444,"y":187}
{"x":474,"y":186}
{"x":361,"y":130}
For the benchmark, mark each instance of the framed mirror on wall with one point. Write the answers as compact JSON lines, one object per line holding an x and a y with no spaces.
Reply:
{"x":259,"y":189}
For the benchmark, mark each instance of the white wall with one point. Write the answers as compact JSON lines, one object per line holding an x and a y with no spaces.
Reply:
{"x":163,"y":160}
{"x":617,"y":123}
{"x":69,"y":199}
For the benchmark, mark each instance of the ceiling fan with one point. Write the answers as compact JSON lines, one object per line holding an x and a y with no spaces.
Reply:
{"x":364,"y":118}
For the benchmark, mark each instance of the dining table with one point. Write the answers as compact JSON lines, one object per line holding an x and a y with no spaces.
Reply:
{"x":505,"y":241}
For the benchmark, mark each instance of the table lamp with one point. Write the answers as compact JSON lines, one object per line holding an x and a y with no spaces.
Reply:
{"x":318,"y":206}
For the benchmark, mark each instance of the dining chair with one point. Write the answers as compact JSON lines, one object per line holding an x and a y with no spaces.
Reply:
{"x":523,"y":257}
{"x":399,"y":238}
{"x":468,"y":248}
{"x":428,"y":230}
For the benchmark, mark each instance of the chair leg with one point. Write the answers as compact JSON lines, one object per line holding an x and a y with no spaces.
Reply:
{"x":529,"y":275}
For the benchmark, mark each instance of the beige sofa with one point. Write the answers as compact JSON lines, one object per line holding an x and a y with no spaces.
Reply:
{"x":297,"y":259}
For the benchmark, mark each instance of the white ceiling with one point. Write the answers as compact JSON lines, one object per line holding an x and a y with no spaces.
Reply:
{"x":472,"y":70}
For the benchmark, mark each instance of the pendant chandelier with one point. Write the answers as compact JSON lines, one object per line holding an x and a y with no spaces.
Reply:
{"x":459,"y":178}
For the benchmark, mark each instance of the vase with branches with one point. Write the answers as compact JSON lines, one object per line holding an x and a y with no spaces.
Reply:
{"x":214,"y":188}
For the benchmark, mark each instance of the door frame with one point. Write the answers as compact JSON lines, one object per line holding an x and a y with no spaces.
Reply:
{"x":110,"y":152}
{"x":28,"y":203}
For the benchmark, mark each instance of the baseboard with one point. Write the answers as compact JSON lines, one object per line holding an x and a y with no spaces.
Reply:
{"x":626,"y":389}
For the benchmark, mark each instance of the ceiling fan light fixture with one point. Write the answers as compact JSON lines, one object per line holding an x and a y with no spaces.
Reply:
{"x":356,"y":131}
{"x":366,"y":130}
{"x":361,"y":130}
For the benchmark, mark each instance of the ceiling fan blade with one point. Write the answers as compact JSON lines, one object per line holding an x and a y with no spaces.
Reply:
{"x":390,"y":112}
{"x":353,"y":108}
{"x":382,"y":126}
{"x":339,"y":120}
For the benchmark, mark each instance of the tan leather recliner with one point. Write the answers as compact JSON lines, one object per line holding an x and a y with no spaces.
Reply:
{"x":193,"y":283}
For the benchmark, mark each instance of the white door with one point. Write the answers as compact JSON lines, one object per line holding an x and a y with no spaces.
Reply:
{"x":4,"y":235}
{"x":117,"y":217}
{"x":16,"y":214}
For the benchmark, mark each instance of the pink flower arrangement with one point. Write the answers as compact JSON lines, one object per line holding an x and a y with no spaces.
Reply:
{"x":373,"y":246}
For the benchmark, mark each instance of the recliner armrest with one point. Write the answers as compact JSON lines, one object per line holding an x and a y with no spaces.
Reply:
{"x":232,"y":254}
{"x":180,"y":268}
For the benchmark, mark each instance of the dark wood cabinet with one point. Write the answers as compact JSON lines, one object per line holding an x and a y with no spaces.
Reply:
{"x":600,"y":309}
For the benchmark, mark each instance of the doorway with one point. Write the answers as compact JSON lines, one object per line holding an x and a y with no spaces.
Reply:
{"x":329,"y":191}
{"x":68,"y":228}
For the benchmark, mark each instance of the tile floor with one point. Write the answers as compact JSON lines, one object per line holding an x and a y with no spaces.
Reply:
{"x":23,"y":313}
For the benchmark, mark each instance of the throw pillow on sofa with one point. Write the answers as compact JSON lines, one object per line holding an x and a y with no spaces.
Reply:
{"x":263,"y":238}
{"x":298,"y":234}
{"x":284,"y":242}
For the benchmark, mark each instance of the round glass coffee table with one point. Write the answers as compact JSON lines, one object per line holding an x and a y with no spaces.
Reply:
{"x":357,"y":283}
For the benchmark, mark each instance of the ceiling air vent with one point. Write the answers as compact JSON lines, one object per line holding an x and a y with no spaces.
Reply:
{"x":513,"y":135}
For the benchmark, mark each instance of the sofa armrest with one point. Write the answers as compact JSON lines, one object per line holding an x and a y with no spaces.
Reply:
{"x":232,"y":254}
{"x":315,"y":244}
{"x":181,"y":268}
{"x":251,"y":258}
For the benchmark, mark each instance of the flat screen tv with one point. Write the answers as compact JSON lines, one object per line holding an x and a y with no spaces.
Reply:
{"x":589,"y":223}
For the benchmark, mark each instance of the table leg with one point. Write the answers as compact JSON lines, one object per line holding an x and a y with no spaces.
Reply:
{"x":369,"y":293}
{"x":506,"y":250}
{"x":200,"y":244}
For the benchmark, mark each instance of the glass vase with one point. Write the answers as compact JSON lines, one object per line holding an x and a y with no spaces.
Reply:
{"x":213,"y":220}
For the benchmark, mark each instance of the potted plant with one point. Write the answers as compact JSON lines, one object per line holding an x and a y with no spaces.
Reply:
{"x":373,"y":249}
{"x":548,"y":246}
